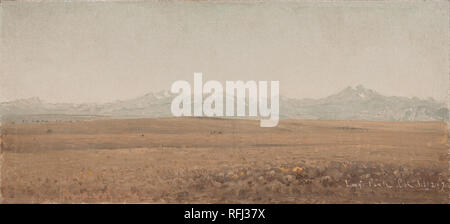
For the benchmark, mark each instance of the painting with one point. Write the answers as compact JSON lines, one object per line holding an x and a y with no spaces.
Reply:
{"x":297,"y":102}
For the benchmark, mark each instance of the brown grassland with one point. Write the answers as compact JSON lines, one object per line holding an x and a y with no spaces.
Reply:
{"x":200,"y":160}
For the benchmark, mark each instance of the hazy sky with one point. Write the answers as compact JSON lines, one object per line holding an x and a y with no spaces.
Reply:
{"x":98,"y":52}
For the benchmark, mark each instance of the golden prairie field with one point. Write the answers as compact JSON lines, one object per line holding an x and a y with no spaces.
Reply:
{"x":203,"y":160}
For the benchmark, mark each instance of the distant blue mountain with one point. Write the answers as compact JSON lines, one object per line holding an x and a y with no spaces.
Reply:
{"x":356,"y":103}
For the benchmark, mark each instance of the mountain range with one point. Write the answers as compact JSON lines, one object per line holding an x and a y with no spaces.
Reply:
{"x":352,"y":103}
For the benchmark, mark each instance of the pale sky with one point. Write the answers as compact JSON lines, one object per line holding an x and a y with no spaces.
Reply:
{"x":100,"y":52}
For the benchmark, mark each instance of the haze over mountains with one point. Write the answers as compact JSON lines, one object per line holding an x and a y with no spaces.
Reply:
{"x":357,"y":103}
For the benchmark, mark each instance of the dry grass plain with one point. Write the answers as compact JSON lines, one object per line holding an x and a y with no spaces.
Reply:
{"x":199,"y":160}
